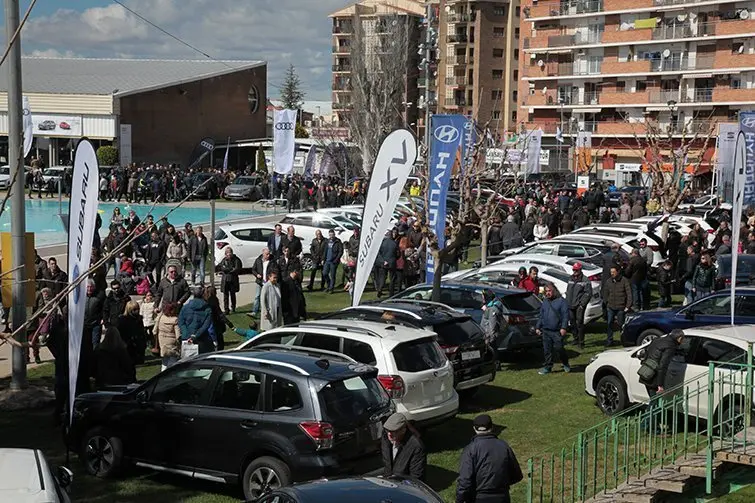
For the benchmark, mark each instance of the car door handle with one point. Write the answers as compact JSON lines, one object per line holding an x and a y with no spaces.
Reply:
{"x":187,"y":420}
{"x":248,"y":425}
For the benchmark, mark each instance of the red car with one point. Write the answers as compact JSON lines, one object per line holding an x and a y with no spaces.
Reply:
{"x":64,"y":125}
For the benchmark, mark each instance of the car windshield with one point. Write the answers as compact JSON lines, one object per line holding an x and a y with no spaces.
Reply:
{"x":419,"y":355}
{"x":523,"y":303}
{"x":244,"y":180}
{"x":703,"y":200}
{"x":458,"y":331}
{"x":4,"y":171}
{"x":348,"y":400}
{"x":745,"y":266}
{"x":345,"y":222}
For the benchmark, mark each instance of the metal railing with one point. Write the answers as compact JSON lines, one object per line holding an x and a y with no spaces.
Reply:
{"x":341,"y":48}
{"x":457,"y":39}
{"x":457,"y":80}
{"x":574,"y":7}
{"x":341,"y":68}
{"x":453,"y":102}
{"x":456,"y":60}
{"x":455,"y":17}
{"x":705,"y":414}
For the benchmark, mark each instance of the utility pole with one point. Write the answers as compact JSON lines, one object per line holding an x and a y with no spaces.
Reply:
{"x":18,"y":217}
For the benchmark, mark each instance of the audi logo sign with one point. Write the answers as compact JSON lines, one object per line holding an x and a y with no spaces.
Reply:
{"x":207,"y":145}
{"x":446,"y":134}
{"x":285,"y":126}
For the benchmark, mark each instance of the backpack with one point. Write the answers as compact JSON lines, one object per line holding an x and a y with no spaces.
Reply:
{"x":143,"y":286}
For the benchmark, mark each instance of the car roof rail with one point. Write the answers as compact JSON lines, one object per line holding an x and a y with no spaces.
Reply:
{"x":308,"y":351}
{"x":334,"y":326}
{"x":428,"y":303}
{"x":378,"y":307}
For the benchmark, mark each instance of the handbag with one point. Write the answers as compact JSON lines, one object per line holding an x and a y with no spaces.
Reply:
{"x":647,"y":370}
{"x":189,"y":350}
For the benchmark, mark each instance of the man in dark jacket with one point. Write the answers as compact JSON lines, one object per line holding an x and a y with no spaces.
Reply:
{"x":155,"y":255}
{"x":511,"y":237}
{"x":637,"y":272}
{"x":386,"y":264}
{"x":617,"y":296}
{"x":704,"y":277}
{"x":403,"y":451}
{"x":173,"y":289}
{"x":578,"y":295}
{"x":685,"y":276}
{"x":665,"y":280}
{"x":115,"y":304}
{"x":198,"y":251}
{"x":551,"y":326}
{"x":317,"y":251}
{"x":528,"y":229}
{"x":93,"y":313}
{"x":292,"y":299}
{"x":333,"y":253}
{"x":293,"y":242}
{"x":660,"y":351}
{"x":495,"y":246}
{"x":276,"y":242}
{"x":488,"y":467}
{"x":288,"y":262}
{"x":53,"y":277}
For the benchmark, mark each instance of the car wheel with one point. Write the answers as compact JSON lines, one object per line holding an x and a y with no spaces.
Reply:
{"x":648,"y":335}
{"x":732,"y":420}
{"x":611,"y":394}
{"x":307,"y":263}
{"x":264,"y":475}
{"x":101,"y":453}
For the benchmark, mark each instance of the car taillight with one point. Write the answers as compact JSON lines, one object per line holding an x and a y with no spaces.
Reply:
{"x":517,"y":319}
{"x":450,"y":351}
{"x":594,"y":277}
{"x":221,"y":244}
{"x":394,"y":385}
{"x":727,"y":281}
{"x":711,"y":231}
{"x":320,"y":433}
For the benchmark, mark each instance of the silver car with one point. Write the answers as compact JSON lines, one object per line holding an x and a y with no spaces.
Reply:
{"x":242,"y":189}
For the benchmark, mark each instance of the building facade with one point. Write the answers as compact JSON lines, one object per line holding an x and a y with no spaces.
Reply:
{"x":478,"y":53}
{"x":153,"y":110}
{"x":611,"y":68}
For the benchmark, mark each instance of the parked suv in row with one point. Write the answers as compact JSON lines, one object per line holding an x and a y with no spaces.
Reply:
{"x":462,"y":340}
{"x":412,"y":367}
{"x":265,"y":417}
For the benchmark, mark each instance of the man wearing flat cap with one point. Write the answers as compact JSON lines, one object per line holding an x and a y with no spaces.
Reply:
{"x":403,"y":451}
{"x":488,"y":467}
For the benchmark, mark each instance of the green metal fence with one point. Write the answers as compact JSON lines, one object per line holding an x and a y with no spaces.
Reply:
{"x":684,"y":421}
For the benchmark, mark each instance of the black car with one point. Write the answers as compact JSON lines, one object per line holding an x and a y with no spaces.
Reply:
{"x":614,"y":198}
{"x":205,"y":186}
{"x":264,"y":417}
{"x":520,"y":308}
{"x":745,"y":271}
{"x":460,"y":337}
{"x":364,"y":489}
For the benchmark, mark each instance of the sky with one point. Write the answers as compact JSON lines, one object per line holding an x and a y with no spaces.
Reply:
{"x":281,"y":32}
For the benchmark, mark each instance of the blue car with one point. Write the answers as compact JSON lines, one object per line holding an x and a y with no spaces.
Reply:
{"x":520,"y":308}
{"x":714,"y":309}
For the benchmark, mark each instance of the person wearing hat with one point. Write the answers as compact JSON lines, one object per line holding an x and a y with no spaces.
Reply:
{"x":578,"y":295}
{"x":551,"y":326}
{"x":488,"y":467}
{"x":403,"y":451}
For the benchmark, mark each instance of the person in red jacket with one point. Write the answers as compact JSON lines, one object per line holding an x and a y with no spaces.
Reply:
{"x":531,"y":282}
{"x":127,"y":265}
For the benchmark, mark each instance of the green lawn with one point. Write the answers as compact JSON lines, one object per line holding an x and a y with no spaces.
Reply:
{"x":535,"y":412}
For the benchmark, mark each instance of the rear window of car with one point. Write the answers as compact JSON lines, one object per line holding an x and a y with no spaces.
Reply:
{"x":457,"y":332}
{"x":349,"y":399}
{"x":521,"y":303}
{"x":419,"y":355}
{"x":745,"y":266}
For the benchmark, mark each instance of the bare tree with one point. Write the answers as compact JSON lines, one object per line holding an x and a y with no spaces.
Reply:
{"x":379,"y":61}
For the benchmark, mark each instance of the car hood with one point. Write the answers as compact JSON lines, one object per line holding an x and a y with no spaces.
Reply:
{"x":655,"y":314}
{"x":238,"y":188}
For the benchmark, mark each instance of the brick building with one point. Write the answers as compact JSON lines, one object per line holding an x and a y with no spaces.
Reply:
{"x":155,"y":110}
{"x":608,"y":67}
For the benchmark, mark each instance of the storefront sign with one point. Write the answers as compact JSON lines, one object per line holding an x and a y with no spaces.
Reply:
{"x":609,"y":175}
{"x":628,"y":167}
{"x":545,"y":157}
{"x":56,"y":125}
{"x":124,"y":145}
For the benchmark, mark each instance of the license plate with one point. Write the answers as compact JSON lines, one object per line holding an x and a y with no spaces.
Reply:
{"x":376,"y":430}
{"x":470,"y":355}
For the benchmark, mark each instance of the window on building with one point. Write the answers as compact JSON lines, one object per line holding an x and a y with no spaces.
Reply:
{"x":736,"y":84}
{"x":641,"y":86}
{"x":497,"y":115}
{"x":498,"y":31}
{"x":514,"y":95}
{"x":516,"y":74}
{"x":497,"y":53}
{"x":516,"y":11}
{"x":621,"y":86}
{"x":516,"y":54}
{"x":497,"y":74}
{"x":513,"y":116}
{"x":516,"y":32}
{"x":496,"y":95}
{"x":499,"y":11}
{"x":737,"y":47}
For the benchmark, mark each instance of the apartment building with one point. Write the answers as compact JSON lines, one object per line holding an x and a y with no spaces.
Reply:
{"x":478,"y":61}
{"x":368,"y":19}
{"x":608,"y":67}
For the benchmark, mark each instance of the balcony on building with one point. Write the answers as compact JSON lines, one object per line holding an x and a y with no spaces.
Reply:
{"x":456,"y":60}
{"x":341,"y":68}
{"x":341,"y":84}
{"x":455,"y":102}
{"x":461,"y":17}
{"x":458,"y":38}
{"x":342,"y":27}
{"x":342,"y":49}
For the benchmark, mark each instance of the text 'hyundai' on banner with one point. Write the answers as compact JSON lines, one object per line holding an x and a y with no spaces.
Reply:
{"x":394,"y":163}
{"x":447,"y":137}
{"x":81,"y":228}
{"x":284,"y":141}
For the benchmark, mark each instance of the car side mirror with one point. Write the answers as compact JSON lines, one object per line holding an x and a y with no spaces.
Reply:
{"x":64,"y":476}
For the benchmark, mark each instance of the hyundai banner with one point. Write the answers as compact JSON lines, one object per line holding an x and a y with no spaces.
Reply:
{"x":747,"y":125}
{"x":467,"y":145}
{"x":82,"y":212}
{"x":725,"y":143}
{"x":284,"y":141}
{"x":395,"y":160}
{"x":28,"y":127}
{"x":447,"y":138}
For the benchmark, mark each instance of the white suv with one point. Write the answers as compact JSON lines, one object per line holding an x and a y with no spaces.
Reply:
{"x":412,"y":367}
